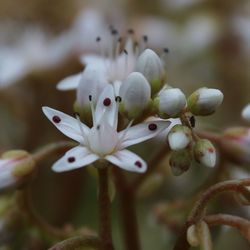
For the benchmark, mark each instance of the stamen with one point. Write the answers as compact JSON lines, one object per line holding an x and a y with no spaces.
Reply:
{"x":166,"y":50}
{"x":130,"y":31}
{"x":145,"y":38}
{"x":138,"y":164}
{"x":56,"y":119}
{"x":101,"y":51}
{"x":98,"y":39}
{"x":98,"y":127}
{"x":92,"y":110}
{"x":152,"y":126}
{"x":126,"y":62}
{"x":71,"y":159}
{"x":144,"y":43}
{"x":80,"y":126}
{"x":118,"y":99}
{"x":90,"y":98}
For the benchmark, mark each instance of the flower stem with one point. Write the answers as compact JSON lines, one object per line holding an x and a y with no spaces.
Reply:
{"x":128,"y":211}
{"x":104,"y":211}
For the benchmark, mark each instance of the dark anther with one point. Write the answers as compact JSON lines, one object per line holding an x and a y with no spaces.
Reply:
{"x":192,"y":121}
{"x":90,"y":98}
{"x":114,"y":32}
{"x":98,"y":39}
{"x":145,"y":38}
{"x":119,"y":40}
{"x":76,"y":114}
{"x":152,"y":126}
{"x":98,"y":127}
{"x":71,"y":159}
{"x":138,"y":164}
{"x":130,"y":31}
{"x":166,"y":50}
{"x":125,"y":51}
{"x":56,"y":119}
{"x":118,"y":99}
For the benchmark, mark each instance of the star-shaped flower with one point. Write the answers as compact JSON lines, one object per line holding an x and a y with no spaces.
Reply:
{"x":103,"y":141}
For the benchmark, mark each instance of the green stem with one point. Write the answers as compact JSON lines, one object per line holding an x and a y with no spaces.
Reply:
{"x":104,"y":211}
{"x":128,"y":211}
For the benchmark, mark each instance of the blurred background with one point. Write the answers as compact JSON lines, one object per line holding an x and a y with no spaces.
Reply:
{"x":40,"y":44}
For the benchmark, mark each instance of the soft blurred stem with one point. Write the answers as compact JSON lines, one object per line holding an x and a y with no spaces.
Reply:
{"x":213,"y":137}
{"x":198,"y":210}
{"x":241,"y":224}
{"x":77,"y":243}
{"x":27,"y":207}
{"x":128,"y":211}
{"x":105,"y":232}
{"x":51,"y":149}
{"x":152,"y":165}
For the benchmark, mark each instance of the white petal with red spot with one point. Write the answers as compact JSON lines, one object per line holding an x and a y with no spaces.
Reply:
{"x":75,"y":158}
{"x":127,"y":160}
{"x":66,"y":124}
{"x":141,"y":132}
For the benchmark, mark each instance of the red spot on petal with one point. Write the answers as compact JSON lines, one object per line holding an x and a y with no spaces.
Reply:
{"x":138,"y":164}
{"x":210,"y":150}
{"x":152,"y":126}
{"x":106,"y":102}
{"x":56,"y":119}
{"x":71,"y":159}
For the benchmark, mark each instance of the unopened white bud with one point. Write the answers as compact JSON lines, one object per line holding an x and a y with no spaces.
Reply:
{"x":135,"y":93}
{"x":14,"y":166}
{"x":205,"y":101}
{"x":151,"y":66}
{"x":205,"y":152}
{"x":179,"y":137}
{"x":170,"y":102}
{"x":246,"y":113}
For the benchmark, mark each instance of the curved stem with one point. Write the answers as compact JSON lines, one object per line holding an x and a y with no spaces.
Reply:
{"x":77,"y":242}
{"x":197,"y":212}
{"x":26,"y":205}
{"x":104,"y":211}
{"x":230,"y":220}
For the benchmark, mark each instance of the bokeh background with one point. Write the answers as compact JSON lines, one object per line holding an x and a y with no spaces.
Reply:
{"x":40,"y":44}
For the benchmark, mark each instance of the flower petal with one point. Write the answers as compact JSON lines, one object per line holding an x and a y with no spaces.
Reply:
{"x":106,"y":107}
{"x":70,"y":82}
{"x":67,"y":124}
{"x":141,"y":132}
{"x":76,"y":157}
{"x":128,"y":160}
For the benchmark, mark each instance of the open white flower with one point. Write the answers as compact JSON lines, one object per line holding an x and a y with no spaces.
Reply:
{"x":102,"y":141}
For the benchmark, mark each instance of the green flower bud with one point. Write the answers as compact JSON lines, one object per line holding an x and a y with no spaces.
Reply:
{"x":180,"y":161}
{"x":205,"y":101}
{"x":204,"y":152}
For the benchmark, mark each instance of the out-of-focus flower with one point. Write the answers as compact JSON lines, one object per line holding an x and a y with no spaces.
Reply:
{"x":204,"y":152}
{"x":205,"y":101}
{"x":15,"y":165}
{"x":179,"y":137}
{"x":246,"y":113}
{"x":102,"y":141}
{"x":235,"y":142}
{"x":170,"y":102}
{"x":135,"y":93}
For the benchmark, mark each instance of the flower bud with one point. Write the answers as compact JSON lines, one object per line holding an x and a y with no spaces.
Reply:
{"x":179,"y":137}
{"x":180,"y":161}
{"x":246,"y":113}
{"x":205,"y":101}
{"x":135,"y":93}
{"x":192,"y":236}
{"x":235,"y":143}
{"x":204,"y":152}
{"x":151,"y":66}
{"x":14,"y":166}
{"x":170,"y":102}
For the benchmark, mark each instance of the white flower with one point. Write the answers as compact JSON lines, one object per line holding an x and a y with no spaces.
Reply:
{"x":246,"y":113}
{"x":102,"y":141}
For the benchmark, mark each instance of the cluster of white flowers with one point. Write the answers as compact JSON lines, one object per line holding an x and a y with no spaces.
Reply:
{"x":129,"y":79}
